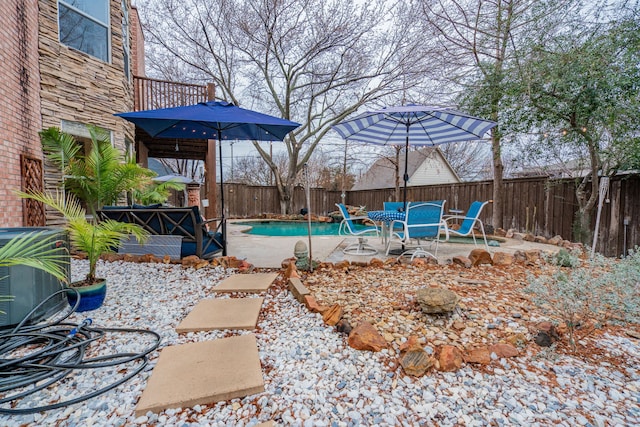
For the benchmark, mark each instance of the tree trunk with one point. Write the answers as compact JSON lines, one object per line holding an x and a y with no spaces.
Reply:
{"x":498,"y":180}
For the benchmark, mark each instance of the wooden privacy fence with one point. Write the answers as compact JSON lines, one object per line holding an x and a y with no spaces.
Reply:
{"x":539,"y":205}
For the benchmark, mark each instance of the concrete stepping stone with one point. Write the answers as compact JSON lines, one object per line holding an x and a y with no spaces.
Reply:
{"x":227,"y":313}
{"x":202,"y":373}
{"x":258,"y":282}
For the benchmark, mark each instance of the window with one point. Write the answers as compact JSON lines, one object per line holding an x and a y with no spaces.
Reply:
{"x":125,"y":39}
{"x":84,"y":25}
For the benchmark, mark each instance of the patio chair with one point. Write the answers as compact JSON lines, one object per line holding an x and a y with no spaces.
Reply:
{"x":422,"y":222}
{"x":469,"y":222}
{"x":348,"y":228}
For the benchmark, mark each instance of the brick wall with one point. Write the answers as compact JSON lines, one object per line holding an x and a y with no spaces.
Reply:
{"x":20,"y":107}
{"x":137,"y":44}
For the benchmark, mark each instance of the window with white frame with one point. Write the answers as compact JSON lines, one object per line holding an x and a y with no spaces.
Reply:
{"x":84,"y":25}
{"x":125,"y":39}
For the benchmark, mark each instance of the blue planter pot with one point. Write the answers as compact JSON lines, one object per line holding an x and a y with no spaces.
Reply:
{"x":91,"y":297}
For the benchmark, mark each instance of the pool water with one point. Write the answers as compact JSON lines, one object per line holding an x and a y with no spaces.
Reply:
{"x":291,"y":228}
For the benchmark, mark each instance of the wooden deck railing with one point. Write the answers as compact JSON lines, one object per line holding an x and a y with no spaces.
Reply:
{"x":153,"y":93}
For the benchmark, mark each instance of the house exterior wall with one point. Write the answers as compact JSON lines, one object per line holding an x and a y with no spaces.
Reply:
{"x":20,"y":110}
{"x":137,"y":44}
{"x":433,"y":170}
{"x":78,"y":87}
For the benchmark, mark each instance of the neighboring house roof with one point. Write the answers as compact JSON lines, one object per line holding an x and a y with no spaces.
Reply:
{"x":569,"y":169}
{"x":425,"y":166}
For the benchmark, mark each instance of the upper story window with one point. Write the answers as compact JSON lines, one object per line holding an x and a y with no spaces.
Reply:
{"x":125,"y":39}
{"x":84,"y":25}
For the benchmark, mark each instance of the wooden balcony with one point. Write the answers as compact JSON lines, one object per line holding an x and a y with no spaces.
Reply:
{"x":150,"y":94}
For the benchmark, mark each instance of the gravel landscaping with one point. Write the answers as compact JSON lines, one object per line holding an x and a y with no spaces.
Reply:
{"x":313,"y":378}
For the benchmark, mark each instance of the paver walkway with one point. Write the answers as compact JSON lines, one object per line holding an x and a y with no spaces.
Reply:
{"x":211,"y":371}
{"x":228,"y":313}
{"x":258,"y":282}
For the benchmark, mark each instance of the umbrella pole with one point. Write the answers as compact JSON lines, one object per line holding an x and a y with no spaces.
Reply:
{"x":223,"y":220}
{"x":406,"y":167}
{"x":406,"y":174}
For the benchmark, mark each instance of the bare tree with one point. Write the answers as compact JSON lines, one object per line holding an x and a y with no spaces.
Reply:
{"x":311,"y":61}
{"x":480,"y":40}
{"x":468,"y":159}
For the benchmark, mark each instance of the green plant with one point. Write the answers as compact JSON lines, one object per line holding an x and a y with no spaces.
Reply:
{"x":98,"y":178}
{"x":564,"y":258}
{"x":35,"y":249}
{"x":91,"y":237}
{"x":587,"y":297}
{"x":155,"y":192}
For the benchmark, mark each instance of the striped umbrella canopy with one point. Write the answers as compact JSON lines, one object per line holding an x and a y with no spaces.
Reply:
{"x":413,"y":125}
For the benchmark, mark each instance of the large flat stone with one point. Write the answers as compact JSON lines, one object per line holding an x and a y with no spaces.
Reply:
{"x":202,"y":373}
{"x":227,"y":313}
{"x":258,"y":282}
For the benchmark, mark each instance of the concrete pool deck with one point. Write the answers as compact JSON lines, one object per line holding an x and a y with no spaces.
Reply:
{"x":270,"y":251}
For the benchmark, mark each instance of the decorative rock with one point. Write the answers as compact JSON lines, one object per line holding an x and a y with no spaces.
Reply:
{"x":291,"y":271}
{"x":462,"y":260}
{"x":366,"y":337}
{"x":503,"y":350}
{"x":555,"y":240}
{"x":297,"y":288}
{"x":343,"y":326}
{"x":437,"y":300}
{"x":450,"y":358}
{"x":342,"y":264}
{"x":633,"y":334}
{"x":376,"y":262}
{"x":410,"y":344}
{"x":419,"y":262}
{"x":480,"y":355}
{"x":333,"y":315}
{"x":547,"y":334}
{"x":532,"y":256}
{"x":500,"y":232}
{"x":529,"y":237}
{"x":190,"y":261}
{"x":285,"y":262}
{"x":540,"y":239}
{"x":518,"y":236}
{"x":312,"y":305}
{"x":502,"y":258}
{"x":543,"y":339}
{"x":416,"y":362}
{"x":480,"y":256}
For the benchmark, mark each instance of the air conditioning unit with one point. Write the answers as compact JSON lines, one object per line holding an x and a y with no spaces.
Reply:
{"x":30,"y":286}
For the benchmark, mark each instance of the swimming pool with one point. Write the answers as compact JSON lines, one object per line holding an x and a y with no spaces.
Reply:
{"x":290,"y":228}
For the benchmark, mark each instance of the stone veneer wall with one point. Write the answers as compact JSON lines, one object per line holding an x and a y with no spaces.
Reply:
{"x":20,"y":108}
{"x":78,"y":87}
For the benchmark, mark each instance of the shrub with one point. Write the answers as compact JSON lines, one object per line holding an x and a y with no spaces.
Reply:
{"x":587,"y":297}
{"x":564,"y":258}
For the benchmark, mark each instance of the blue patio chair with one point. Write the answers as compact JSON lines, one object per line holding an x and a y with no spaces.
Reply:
{"x":392,"y":206}
{"x":423,"y":222}
{"x":348,"y":228}
{"x":469,"y":222}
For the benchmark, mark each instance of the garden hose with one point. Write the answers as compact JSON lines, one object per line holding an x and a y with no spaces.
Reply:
{"x":60,"y":349}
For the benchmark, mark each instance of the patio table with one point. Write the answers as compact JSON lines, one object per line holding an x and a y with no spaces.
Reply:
{"x":385,"y":218}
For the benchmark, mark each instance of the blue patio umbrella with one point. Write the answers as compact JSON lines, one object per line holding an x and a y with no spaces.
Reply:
{"x":211,"y":120}
{"x":413,"y":125}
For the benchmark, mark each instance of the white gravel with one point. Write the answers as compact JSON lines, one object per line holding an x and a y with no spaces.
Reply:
{"x":312,"y":377}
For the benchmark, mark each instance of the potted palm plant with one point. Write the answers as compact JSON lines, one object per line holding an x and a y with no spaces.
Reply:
{"x":92,"y":238}
{"x":101,"y":176}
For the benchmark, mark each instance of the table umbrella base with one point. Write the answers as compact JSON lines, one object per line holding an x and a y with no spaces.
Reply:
{"x":361,"y":247}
